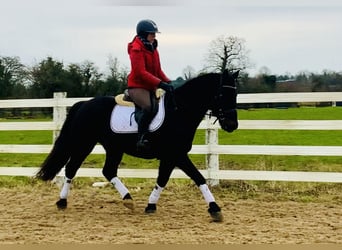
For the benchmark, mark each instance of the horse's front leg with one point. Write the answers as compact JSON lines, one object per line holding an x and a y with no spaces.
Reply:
{"x":164,"y":173}
{"x":189,"y":169}
{"x":109,"y":171}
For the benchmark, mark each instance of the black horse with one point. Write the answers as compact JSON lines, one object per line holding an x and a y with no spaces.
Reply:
{"x":88,"y":123}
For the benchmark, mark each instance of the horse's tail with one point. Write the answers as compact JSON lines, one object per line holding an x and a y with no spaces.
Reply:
{"x":61,"y":150}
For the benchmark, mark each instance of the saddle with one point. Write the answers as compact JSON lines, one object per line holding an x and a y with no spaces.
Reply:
{"x":125,"y":100}
{"x":122,"y":117}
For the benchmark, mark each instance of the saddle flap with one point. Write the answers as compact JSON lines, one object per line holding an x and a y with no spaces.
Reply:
{"x":122,"y":118}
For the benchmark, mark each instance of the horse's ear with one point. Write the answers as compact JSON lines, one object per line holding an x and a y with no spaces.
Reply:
{"x":236,"y":74}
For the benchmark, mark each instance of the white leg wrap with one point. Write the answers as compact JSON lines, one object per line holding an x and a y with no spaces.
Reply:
{"x":155,"y":194}
{"x":208,"y":197}
{"x":119,"y":186}
{"x":66,"y":188}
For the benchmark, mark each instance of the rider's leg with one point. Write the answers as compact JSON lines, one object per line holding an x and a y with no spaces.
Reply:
{"x":143,"y":129}
{"x":145,"y":100}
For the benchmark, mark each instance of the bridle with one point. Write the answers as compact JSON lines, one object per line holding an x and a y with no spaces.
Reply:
{"x":221,"y":112}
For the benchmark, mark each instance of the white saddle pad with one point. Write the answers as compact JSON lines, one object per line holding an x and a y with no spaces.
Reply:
{"x":122,"y":119}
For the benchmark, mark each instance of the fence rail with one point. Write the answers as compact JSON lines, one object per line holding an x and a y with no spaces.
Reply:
{"x":212,"y":150}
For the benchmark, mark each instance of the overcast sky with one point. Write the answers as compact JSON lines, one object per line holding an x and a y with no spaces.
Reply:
{"x":285,"y":36}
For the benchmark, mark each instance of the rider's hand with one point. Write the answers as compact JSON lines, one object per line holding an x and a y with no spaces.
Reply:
{"x":165,"y":86}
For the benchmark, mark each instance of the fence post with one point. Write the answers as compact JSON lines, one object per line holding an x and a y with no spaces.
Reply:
{"x":59,"y":112}
{"x":212,"y":160}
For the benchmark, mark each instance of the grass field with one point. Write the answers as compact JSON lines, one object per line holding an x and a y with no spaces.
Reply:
{"x":239,"y":137}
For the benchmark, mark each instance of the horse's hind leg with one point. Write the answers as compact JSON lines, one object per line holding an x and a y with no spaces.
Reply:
{"x":110,"y":171}
{"x":71,"y":168}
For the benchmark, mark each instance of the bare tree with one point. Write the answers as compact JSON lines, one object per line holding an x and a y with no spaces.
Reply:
{"x":227,"y":52}
{"x":11,"y":66}
{"x":13,"y":76}
{"x":113,"y":64}
{"x":117,"y":72}
{"x":90,"y":71}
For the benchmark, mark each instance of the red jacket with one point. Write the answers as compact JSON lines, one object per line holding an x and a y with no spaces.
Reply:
{"x":146,"y":71}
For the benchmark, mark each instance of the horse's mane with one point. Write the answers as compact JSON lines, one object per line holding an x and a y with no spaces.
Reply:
{"x":201,"y":79}
{"x":196,"y":92}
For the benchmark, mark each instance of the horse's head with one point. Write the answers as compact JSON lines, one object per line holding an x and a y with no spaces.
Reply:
{"x":224,"y":107}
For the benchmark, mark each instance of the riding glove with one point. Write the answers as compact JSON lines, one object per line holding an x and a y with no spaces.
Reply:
{"x":165,"y":86}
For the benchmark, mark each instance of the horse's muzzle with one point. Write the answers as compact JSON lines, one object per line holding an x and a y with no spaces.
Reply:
{"x":229,"y":122}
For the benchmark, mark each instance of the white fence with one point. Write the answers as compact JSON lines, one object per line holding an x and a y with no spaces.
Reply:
{"x":212,"y":150}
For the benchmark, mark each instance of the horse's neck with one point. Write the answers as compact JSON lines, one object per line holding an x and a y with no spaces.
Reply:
{"x":195,"y":97}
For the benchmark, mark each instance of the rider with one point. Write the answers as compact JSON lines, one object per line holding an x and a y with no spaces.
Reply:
{"x":145,"y":77}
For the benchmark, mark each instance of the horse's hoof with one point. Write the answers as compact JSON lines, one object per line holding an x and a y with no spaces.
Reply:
{"x":62,"y":204}
{"x":151,"y":208}
{"x":129,"y":203}
{"x":215,"y":212}
{"x":216,"y":216}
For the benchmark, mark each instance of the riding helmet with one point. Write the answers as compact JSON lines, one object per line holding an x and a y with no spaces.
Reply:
{"x":146,"y":26}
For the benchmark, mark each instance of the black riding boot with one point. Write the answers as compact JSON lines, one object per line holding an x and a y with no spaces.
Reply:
{"x":143,"y":143}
